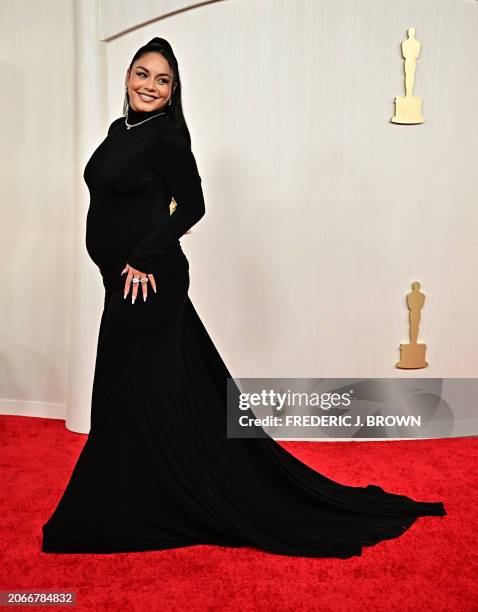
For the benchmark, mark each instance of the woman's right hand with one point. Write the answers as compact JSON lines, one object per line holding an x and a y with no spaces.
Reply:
{"x":142,"y":278}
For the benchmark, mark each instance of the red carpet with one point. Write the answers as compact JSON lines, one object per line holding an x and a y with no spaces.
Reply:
{"x":432,"y":566}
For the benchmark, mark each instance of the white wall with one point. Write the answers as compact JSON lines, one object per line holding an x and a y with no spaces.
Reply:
{"x":37,"y":204}
{"x":320,"y":212}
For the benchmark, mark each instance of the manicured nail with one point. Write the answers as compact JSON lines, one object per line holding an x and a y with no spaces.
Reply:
{"x":133,"y":299}
{"x":125,"y":296}
{"x":144,"y":298}
{"x":154,"y":289}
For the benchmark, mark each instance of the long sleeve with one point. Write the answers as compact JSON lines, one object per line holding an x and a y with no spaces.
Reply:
{"x":176,"y":165}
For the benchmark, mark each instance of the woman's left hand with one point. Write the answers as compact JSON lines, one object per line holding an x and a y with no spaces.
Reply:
{"x":142,"y":278}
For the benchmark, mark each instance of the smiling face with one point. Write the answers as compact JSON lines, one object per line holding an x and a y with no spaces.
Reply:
{"x":149,"y":82}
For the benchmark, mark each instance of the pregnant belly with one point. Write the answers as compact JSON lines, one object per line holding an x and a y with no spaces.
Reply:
{"x":111,"y":237}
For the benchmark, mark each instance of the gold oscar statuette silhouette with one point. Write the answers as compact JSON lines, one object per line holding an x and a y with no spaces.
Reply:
{"x":172,"y":207}
{"x":412,"y":355}
{"x":408,"y":108}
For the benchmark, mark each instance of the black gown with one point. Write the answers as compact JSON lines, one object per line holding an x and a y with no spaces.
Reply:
{"x":157,"y":470}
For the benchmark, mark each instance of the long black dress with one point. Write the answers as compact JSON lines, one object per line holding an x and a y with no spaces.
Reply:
{"x":157,"y":470}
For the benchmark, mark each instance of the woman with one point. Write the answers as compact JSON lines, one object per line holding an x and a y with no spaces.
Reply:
{"x":157,"y":470}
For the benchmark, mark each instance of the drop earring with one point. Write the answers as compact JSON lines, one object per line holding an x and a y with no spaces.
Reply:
{"x":125,"y":102}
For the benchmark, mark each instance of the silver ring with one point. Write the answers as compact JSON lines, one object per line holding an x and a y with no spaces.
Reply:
{"x":144,"y":280}
{"x":135,"y":280}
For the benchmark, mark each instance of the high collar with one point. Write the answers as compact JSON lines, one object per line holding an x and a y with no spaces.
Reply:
{"x":138,"y":116}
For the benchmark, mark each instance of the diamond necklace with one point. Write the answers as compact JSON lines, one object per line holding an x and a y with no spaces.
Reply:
{"x":132,"y":125}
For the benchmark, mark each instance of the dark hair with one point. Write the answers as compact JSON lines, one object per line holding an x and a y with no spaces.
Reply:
{"x":175,"y":110}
